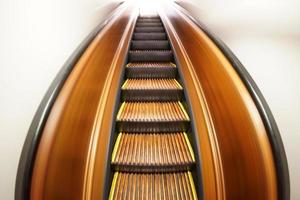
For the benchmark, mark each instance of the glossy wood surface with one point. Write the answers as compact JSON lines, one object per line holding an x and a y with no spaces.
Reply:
{"x":236,"y":157}
{"x":73,"y":153}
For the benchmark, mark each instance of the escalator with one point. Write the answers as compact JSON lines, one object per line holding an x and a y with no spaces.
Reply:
{"x":153,"y":107}
{"x":152,"y":155}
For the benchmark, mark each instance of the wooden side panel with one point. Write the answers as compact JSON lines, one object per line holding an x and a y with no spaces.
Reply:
{"x":237,"y":161}
{"x":71,"y":159}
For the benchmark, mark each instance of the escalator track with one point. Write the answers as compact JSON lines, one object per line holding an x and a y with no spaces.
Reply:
{"x":152,"y":157}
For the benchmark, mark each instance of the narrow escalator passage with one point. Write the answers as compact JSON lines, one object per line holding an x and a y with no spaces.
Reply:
{"x":152,"y":155}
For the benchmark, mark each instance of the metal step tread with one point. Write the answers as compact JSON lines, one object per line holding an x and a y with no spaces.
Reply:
{"x":160,"y":152}
{"x":153,"y":186}
{"x":152,"y":112}
{"x":151,"y":84}
{"x":152,"y":90}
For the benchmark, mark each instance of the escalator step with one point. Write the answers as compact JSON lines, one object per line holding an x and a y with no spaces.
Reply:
{"x":151,"y":84}
{"x":152,"y":117}
{"x":148,"y":24}
{"x":151,"y":56}
{"x":151,"y":90}
{"x":152,"y":111}
{"x":149,"y":17}
{"x":149,"y":36}
{"x":148,"y":20}
{"x":149,"y":30}
{"x":176,"y":186}
{"x":150,"y":45}
{"x":142,"y":152}
{"x":151,"y":70}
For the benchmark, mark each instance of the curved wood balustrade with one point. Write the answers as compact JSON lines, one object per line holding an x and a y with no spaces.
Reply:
{"x":70,"y":162}
{"x":235,"y":152}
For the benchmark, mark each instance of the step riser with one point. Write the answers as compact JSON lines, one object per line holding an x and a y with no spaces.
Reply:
{"x":149,"y":25}
{"x":150,"y":56}
{"x":148,"y":21}
{"x":149,"y":30}
{"x":153,"y":127}
{"x":149,"y":36}
{"x":150,"y":45}
{"x":149,"y":17}
{"x":149,"y":169}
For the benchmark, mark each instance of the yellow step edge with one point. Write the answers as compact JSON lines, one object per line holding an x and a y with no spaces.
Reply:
{"x":178,"y":84}
{"x":116,"y":147}
{"x":192,"y":185}
{"x":173,"y":64}
{"x":189,"y":146}
{"x":183,"y":110}
{"x":124,"y":84}
{"x":113,"y":186}
{"x":120,"y":110}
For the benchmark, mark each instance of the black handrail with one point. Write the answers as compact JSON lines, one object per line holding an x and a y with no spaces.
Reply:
{"x":281,"y":164}
{"x":26,"y":162}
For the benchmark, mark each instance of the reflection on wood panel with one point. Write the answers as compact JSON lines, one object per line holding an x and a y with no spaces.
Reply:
{"x":70,"y":164}
{"x":237,"y":162}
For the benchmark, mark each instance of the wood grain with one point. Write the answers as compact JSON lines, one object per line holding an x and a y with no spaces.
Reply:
{"x":237,"y":161}
{"x":70,"y":163}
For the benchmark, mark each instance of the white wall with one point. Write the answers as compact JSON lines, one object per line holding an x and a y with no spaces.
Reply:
{"x":36,"y":38}
{"x":265,"y":36}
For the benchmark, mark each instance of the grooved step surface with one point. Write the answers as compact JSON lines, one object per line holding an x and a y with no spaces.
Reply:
{"x":152,"y":112}
{"x":151,"y":90}
{"x":151,"y":56}
{"x":159,"y":152}
{"x":151,"y":84}
{"x":153,"y":186}
{"x":150,"y":45}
